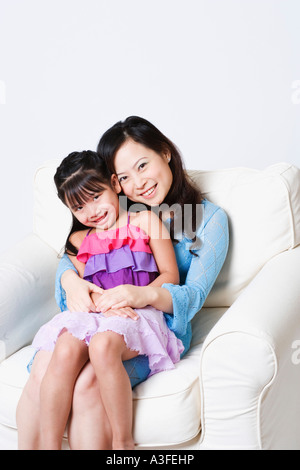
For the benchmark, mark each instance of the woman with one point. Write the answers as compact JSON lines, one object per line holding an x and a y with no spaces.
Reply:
{"x":150,"y":171}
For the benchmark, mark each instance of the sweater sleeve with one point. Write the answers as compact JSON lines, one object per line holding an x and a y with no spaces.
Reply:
{"x":60,"y":295}
{"x":189,"y":298}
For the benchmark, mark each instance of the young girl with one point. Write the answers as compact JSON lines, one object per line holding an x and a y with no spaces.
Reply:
{"x":109,"y":247}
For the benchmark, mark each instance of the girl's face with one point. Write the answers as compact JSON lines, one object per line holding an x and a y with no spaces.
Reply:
{"x":100,"y":211}
{"x":144,"y":175}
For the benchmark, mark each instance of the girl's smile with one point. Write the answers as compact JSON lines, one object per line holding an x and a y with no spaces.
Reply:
{"x":100,"y":211}
{"x":100,"y":219}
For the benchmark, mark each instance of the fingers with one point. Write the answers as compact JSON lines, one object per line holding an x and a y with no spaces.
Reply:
{"x":81,"y":305}
{"x":131,"y":313}
{"x":126,"y":312}
{"x":94,"y":288}
{"x":110,"y":298}
{"x":122,"y":304}
{"x":79,"y":300}
{"x":103,"y":305}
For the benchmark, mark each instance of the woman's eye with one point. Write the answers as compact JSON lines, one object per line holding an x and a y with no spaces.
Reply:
{"x":122,"y":179}
{"x":142,"y":165}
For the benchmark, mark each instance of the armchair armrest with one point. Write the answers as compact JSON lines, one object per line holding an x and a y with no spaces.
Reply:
{"x":250,"y":383}
{"x":27,"y":276}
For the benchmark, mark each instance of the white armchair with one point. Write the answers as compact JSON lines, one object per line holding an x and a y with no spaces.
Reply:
{"x":239,"y":385}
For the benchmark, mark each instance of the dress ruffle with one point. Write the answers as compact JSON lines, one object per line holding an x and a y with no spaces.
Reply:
{"x":106,"y":241}
{"x":149,"y":335}
{"x":118,"y":259}
{"x":123,"y":276}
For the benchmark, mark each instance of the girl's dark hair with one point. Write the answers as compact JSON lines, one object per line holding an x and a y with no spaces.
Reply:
{"x":183,"y":191}
{"x":78,"y":176}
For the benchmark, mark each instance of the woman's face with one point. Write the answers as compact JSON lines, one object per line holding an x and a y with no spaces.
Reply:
{"x":144,"y":175}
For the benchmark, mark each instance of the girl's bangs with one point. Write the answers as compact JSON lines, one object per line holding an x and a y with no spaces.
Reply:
{"x":79,"y":190}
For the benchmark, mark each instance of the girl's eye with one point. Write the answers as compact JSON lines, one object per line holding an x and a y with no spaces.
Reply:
{"x":122,"y":179}
{"x":79,"y":208}
{"x":95,"y":196}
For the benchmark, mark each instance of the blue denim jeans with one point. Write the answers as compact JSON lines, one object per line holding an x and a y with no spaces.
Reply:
{"x":137,"y":369}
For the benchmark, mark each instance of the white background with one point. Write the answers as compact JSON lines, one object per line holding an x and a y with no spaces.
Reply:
{"x":221,"y":78}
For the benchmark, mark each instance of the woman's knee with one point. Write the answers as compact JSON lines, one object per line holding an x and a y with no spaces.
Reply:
{"x":86,"y":390}
{"x":38,"y":370}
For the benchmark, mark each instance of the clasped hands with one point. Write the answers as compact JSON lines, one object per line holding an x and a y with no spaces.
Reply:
{"x":117,"y":301}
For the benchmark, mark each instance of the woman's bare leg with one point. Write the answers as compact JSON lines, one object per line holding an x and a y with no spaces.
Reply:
{"x":89,"y":427}
{"x":28,"y":409}
{"x":68,"y":358}
{"x":107,"y":351}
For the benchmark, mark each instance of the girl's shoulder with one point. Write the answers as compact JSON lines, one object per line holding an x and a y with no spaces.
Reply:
{"x":142,"y":219}
{"x":149,"y":222}
{"x":76,"y":238}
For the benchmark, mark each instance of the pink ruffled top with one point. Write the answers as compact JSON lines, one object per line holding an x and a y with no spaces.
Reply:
{"x":119,"y":256}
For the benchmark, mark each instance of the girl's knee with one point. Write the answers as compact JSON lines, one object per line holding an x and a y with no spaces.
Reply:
{"x":68,"y":352}
{"x":68,"y":347}
{"x":105,"y":347}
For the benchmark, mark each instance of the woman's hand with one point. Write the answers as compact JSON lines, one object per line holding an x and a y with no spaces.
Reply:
{"x":78,"y":292}
{"x":125,"y":295}
{"x":125,"y":312}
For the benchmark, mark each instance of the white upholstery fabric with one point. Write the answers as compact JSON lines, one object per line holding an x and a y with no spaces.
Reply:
{"x":248,"y":355}
{"x":27,"y":299}
{"x":264,"y":215}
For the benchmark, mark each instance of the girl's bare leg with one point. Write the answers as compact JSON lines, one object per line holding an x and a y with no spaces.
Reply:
{"x":68,"y":358}
{"x":28,"y":409}
{"x":89,"y":427}
{"x":107,"y":351}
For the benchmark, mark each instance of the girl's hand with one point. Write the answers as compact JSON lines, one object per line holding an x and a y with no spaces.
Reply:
{"x":125,"y":312}
{"x":122,"y":296}
{"x":78,"y":293}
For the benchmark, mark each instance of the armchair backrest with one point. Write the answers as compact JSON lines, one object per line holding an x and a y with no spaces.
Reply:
{"x":263,"y":208}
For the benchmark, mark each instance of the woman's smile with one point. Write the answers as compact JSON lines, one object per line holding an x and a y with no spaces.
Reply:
{"x":143,"y":174}
{"x":149,"y":192}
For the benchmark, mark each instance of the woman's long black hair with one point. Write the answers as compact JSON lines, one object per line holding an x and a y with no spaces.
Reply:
{"x":78,"y":176}
{"x":183,"y":191}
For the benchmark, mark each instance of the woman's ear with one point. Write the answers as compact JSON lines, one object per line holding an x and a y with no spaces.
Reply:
{"x":115,"y":183}
{"x":167,"y":155}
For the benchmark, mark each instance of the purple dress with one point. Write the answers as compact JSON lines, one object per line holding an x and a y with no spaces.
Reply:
{"x":112,"y":258}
